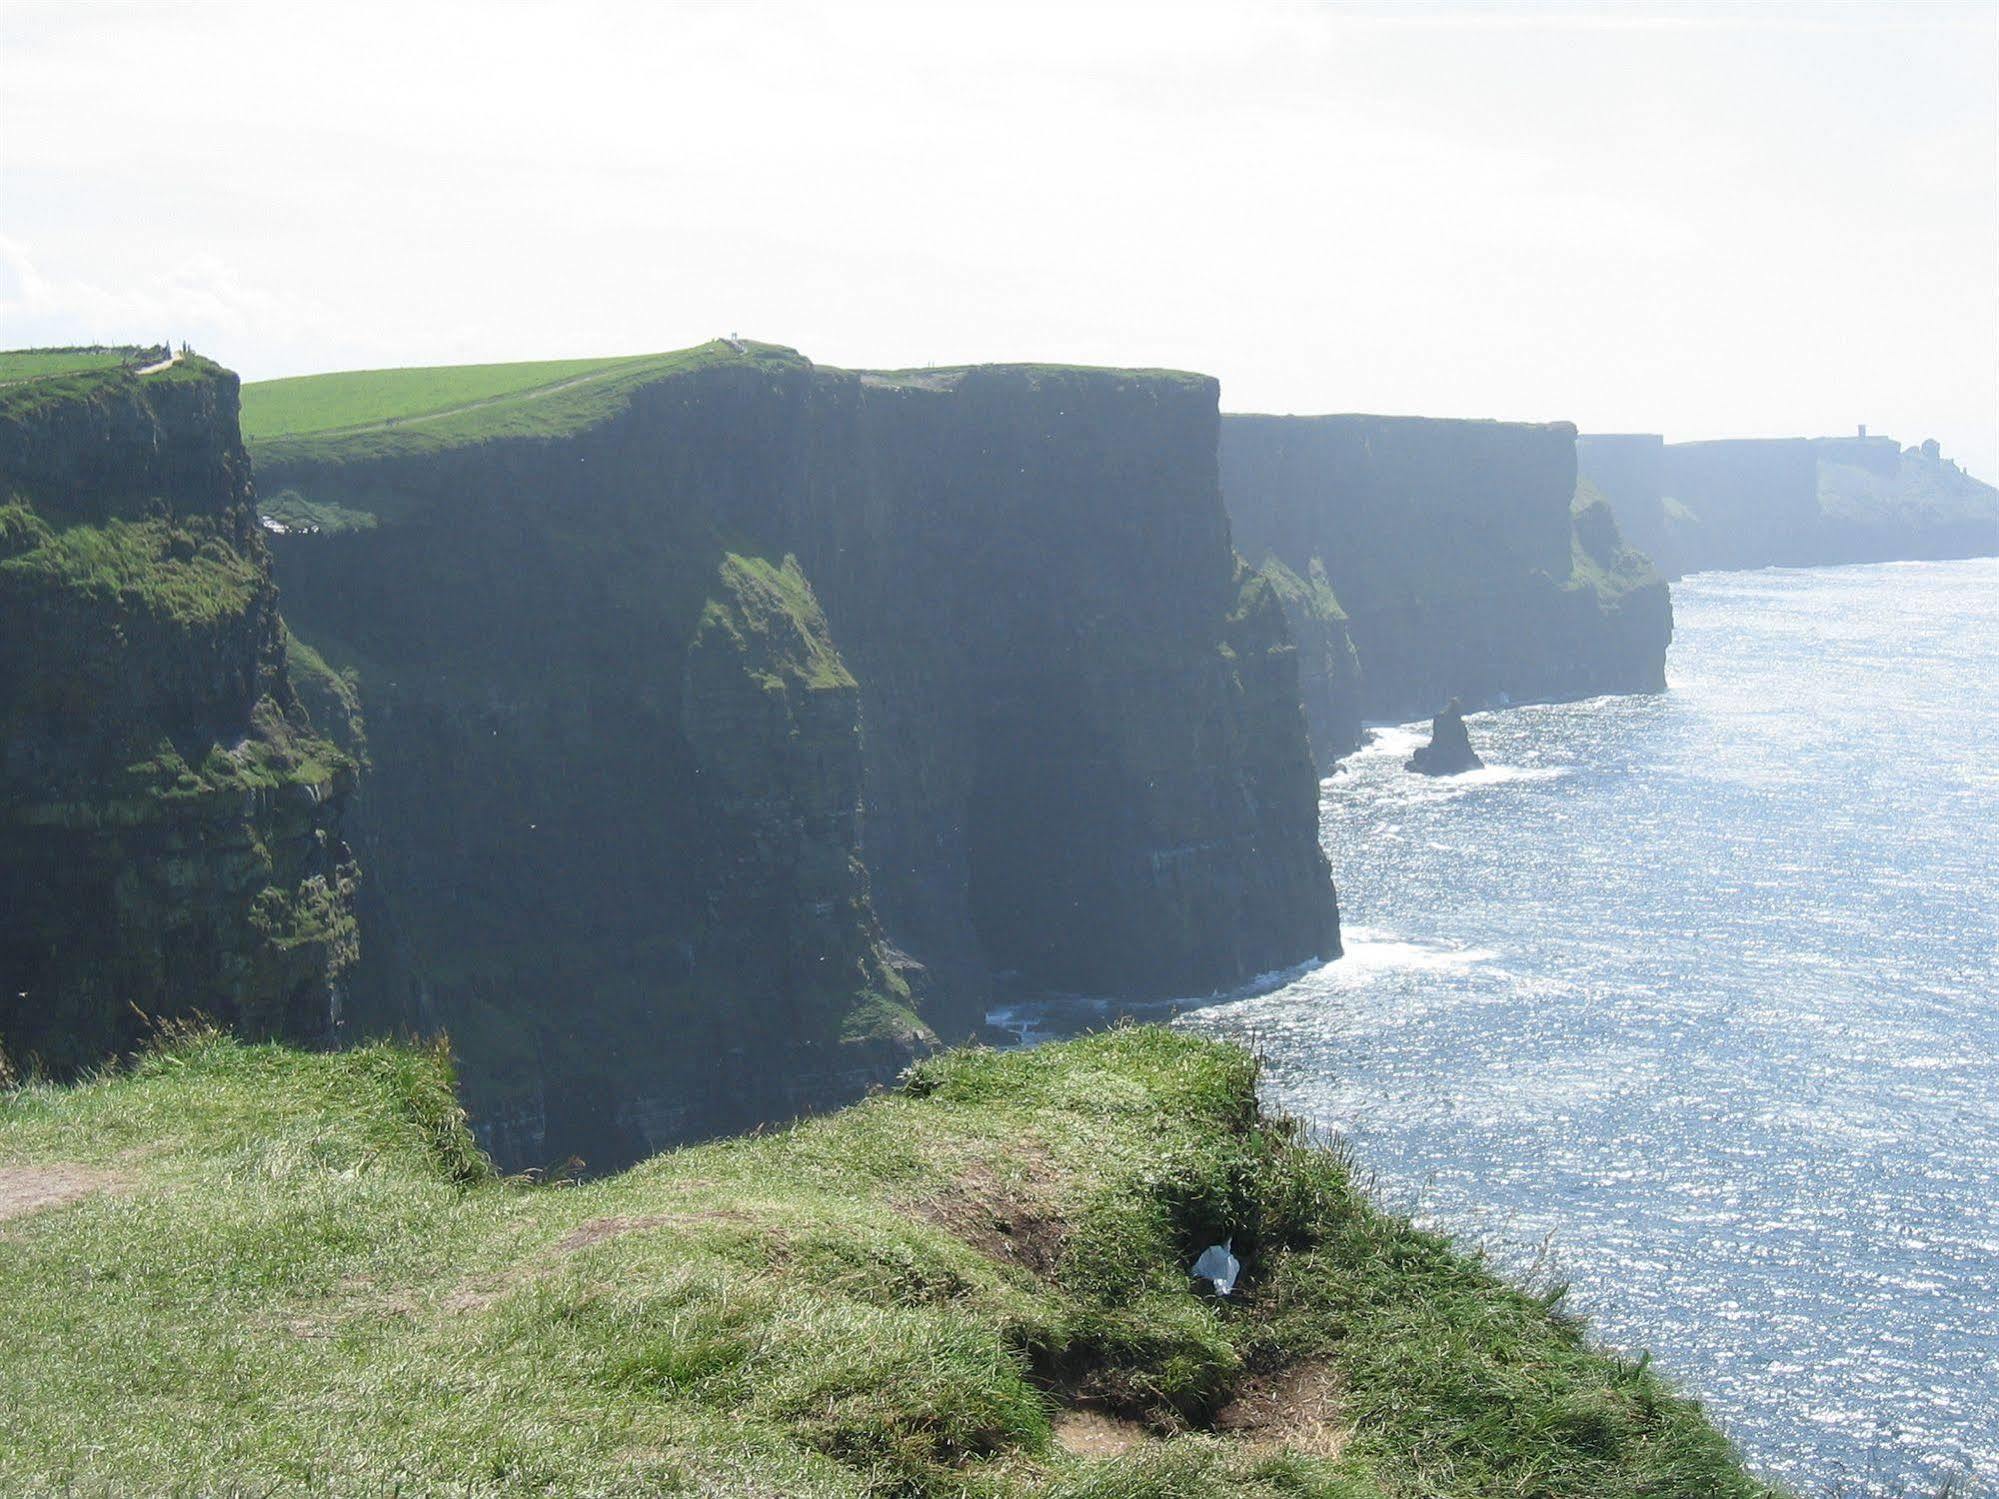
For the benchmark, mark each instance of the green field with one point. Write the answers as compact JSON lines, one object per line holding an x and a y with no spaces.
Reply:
{"x":36,"y":364}
{"x":237,"y":1269}
{"x":359,"y":398}
{"x":365,"y":414}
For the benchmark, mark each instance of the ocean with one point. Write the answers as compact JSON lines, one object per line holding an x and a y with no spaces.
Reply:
{"x":1689,"y":1000}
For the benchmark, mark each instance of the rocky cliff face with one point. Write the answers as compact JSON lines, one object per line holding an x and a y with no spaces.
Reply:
{"x":1329,"y":675}
{"x":1794,"y":502}
{"x":170,"y":822}
{"x":1453,"y":550}
{"x":728,"y":747}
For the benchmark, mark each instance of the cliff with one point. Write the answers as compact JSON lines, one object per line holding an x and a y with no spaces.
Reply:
{"x":1454,"y":553}
{"x":974,"y":1284}
{"x":1882,"y":503}
{"x":1792,"y":502}
{"x":1328,"y":664}
{"x":170,"y":822}
{"x":735,"y":732}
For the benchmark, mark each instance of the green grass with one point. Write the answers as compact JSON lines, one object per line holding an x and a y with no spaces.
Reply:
{"x":291,"y":1274}
{"x":367,"y":414}
{"x":943,"y":374}
{"x":42,"y":380}
{"x":357,"y":398}
{"x":1313,"y":594}
{"x":35,"y":364}
{"x":292,"y":511}
{"x":769,"y":615}
{"x":1600,"y":559}
{"x":183,"y":572}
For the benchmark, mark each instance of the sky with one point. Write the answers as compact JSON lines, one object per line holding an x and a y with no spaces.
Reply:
{"x":1704,"y":219}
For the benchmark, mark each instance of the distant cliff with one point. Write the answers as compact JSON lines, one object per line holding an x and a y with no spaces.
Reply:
{"x":735,"y":729}
{"x":1458,"y":554}
{"x":1798,"y":502}
{"x":170,"y":821}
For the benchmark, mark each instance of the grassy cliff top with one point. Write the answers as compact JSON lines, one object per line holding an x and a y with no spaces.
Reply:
{"x":362,"y":414}
{"x":32,"y":381}
{"x":1373,"y":419}
{"x":943,"y":377}
{"x":239,"y":1268}
{"x":36,"y":364}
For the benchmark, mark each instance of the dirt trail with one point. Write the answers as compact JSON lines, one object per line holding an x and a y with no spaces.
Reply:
{"x":30,"y":1189}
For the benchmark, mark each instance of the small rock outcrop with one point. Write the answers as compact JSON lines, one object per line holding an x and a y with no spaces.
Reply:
{"x":1449,"y":751}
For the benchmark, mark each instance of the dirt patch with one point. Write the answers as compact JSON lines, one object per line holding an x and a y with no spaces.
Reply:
{"x":1297,"y":1408}
{"x":30,"y":1189}
{"x":597,"y":1230}
{"x":1090,"y":1433}
{"x":998,"y":1221}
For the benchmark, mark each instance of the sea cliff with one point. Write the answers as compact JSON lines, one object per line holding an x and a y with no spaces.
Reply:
{"x":1790,"y":502}
{"x":737,"y":730}
{"x":1463,"y":557}
{"x":170,"y":819}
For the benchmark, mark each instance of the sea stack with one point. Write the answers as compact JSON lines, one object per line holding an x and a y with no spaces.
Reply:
{"x":1449,"y":751}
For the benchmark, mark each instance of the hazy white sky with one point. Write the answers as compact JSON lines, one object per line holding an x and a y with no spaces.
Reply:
{"x":1707,"y":219}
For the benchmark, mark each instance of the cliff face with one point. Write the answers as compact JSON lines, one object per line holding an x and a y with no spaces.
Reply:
{"x":1452,"y":549}
{"x":700,"y":733}
{"x":1882,"y":503}
{"x":1745,"y":502}
{"x":1793,"y":502}
{"x":1328,"y":665}
{"x":170,"y":823}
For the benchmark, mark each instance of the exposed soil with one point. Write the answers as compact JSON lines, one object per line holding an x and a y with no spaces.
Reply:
{"x":30,"y":1189}
{"x":1297,"y":1407}
{"x":597,"y":1230}
{"x":1093,"y":1433}
{"x":997,"y":1221}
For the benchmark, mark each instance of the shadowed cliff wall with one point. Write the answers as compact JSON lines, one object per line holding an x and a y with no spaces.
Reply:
{"x":664,"y":850}
{"x":1757,"y":502}
{"x":170,"y":822}
{"x":1452,"y":549}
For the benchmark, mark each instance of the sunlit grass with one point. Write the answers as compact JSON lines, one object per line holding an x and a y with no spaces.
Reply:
{"x":291,"y":1273}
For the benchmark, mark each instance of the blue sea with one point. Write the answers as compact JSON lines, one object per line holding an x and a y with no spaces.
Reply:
{"x":1690,"y":1000}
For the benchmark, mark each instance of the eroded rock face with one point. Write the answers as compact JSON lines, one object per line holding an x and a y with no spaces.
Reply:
{"x":1453,"y":550}
{"x":726,"y":750}
{"x":170,"y":821}
{"x":1449,"y":751}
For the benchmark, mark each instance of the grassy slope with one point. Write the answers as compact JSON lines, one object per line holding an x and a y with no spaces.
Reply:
{"x":36,"y":364}
{"x":294,"y":1275}
{"x":366,"y":414}
{"x":43,"y":379}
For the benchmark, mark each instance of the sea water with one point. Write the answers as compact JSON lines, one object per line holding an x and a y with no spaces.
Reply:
{"x":1690,"y":999}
